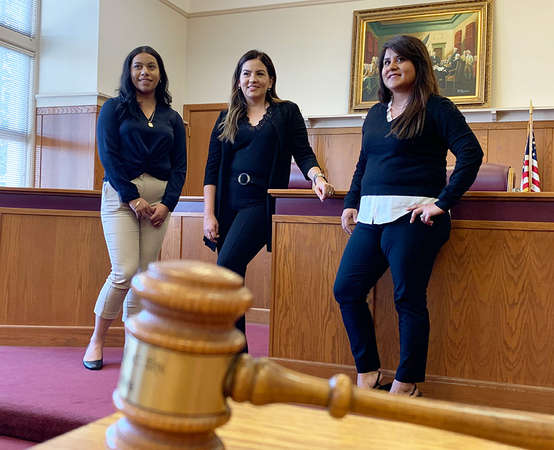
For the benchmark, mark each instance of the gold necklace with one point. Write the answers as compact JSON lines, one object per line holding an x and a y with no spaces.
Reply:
{"x":151,"y":118}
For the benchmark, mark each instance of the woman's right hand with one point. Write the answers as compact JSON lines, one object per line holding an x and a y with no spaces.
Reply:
{"x":349,"y":219}
{"x":141,"y":208}
{"x":211,"y":227}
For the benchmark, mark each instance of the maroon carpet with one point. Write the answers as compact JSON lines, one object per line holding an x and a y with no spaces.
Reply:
{"x":45,"y":391}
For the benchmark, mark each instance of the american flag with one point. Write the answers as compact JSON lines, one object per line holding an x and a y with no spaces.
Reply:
{"x":535,"y":185}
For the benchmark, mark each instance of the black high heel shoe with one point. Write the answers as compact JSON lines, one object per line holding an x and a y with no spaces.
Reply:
{"x":415,"y":392}
{"x":379,"y":386}
{"x":94,"y":365}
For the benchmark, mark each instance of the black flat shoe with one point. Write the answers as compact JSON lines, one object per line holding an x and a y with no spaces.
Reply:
{"x":93,"y":365}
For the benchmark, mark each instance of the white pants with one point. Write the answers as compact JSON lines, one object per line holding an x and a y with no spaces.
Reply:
{"x":132,"y":245}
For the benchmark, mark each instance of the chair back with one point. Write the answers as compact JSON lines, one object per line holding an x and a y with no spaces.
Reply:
{"x":491,"y":177}
{"x":297,"y":180}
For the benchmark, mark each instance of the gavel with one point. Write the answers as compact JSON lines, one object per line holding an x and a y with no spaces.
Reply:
{"x":181,"y":361}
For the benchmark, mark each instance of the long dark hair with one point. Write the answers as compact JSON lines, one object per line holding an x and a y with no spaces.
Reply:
{"x":127,"y":90}
{"x":410,"y":122}
{"x":237,"y":104}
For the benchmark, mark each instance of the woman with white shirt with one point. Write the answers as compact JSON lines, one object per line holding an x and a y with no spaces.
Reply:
{"x":397,"y":207}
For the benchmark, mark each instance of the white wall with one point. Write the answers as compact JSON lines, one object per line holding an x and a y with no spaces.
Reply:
{"x":523,"y":65}
{"x":311,"y":48}
{"x":68,"y":48}
{"x":84,"y":42}
{"x":126,"y":24}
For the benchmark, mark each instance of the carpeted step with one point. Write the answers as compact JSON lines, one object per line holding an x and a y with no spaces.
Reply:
{"x":46,"y":391}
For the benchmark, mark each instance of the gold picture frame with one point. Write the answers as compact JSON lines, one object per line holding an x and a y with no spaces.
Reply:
{"x":457,"y":34}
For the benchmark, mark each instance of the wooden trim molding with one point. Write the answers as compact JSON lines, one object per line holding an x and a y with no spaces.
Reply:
{"x":64,"y":192}
{"x":473,"y":195}
{"x":49,"y":212}
{"x":502,"y":225}
{"x":258,"y":315}
{"x":82,"y":109}
{"x":46,"y":336}
{"x":285,"y":218}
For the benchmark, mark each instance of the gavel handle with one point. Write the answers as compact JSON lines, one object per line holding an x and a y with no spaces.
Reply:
{"x":261,"y":381}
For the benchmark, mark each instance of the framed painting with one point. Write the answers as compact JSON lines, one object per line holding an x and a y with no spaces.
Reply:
{"x":457,"y":35}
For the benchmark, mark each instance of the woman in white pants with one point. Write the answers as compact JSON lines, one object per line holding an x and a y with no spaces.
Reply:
{"x":141,"y":143}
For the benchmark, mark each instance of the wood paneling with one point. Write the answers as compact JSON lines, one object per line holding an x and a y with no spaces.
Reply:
{"x":491,"y":305}
{"x":185,"y":237}
{"x":337,"y":149}
{"x":66,"y":148}
{"x":66,"y":154}
{"x":305,"y":319}
{"x":200,"y":119}
{"x":490,"y":302}
{"x":171,"y":247}
{"x":505,"y":144}
{"x":56,"y":261}
{"x":56,"y":265}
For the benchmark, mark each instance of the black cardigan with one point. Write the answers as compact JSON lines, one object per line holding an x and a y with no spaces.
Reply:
{"x":292,"y":141}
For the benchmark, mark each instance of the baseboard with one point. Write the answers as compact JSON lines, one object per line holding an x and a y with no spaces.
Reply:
{"x":56,"y":336}
{"x":318,"y":369}
{"x":475,"y":392}
{"x":258,"y":315}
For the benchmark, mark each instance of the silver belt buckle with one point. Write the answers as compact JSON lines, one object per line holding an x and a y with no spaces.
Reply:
{"x":244,"y":178}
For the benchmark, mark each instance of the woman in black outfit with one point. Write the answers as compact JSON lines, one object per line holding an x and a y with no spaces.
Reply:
{"x":400,"y":201}
{"x":250,"y":151}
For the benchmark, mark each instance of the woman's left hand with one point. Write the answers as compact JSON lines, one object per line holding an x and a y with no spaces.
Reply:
{"x":159,"y":215}
{"x":425,"y":212}
{"x":323,"y":189}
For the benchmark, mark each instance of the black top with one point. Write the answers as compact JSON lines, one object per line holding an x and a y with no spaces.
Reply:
{"x":254,"y":148}
{"x":291,"y":140}
{"x":129,"y":147}
{"x":417,"y":166}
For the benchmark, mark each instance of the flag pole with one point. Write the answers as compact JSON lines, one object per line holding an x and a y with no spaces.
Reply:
{"x":530,"y":146}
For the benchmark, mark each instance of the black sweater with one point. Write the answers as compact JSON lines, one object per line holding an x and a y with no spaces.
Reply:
{"x":417,"y":166}
{"x":129,"y":147}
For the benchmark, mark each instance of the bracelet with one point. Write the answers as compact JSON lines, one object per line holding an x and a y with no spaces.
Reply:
{"x":317,"y":175}
{"x":137,"y":203}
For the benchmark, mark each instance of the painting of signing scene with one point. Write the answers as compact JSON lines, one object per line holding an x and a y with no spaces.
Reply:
{"x":457,"y":36}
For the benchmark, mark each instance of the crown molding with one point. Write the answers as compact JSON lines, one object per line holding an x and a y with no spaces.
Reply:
{"x":175,"y":8}
{"x":249,"y":9}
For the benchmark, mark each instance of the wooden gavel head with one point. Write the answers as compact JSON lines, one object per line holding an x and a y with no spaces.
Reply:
{"x":178,"y":351}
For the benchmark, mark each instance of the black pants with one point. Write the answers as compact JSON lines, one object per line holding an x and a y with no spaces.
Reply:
{"x":243,"y":233}
{"x":410,"y":251}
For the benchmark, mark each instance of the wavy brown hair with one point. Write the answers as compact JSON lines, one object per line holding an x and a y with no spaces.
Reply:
{"x":237,"y":104}
{"x":410,"y":123}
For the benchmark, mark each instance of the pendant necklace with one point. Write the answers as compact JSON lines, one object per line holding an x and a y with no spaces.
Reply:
{"x":151,"y":118}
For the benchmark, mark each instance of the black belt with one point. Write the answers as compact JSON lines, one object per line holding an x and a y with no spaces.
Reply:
{"x":245,"y":178}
